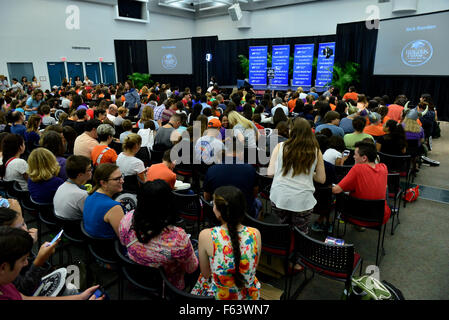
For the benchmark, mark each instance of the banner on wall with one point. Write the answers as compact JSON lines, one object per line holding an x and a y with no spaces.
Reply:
{"x":280,"y":63}
{"x":302,"y":65}
{"x":258,"y":65}
{"x":325,"y":66}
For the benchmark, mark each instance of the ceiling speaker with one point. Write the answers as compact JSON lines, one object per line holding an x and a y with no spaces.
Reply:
{"x":235,"y":12}
{"x":400,"y":6}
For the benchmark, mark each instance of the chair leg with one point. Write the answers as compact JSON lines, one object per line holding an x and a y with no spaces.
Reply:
{"x":378,"y":246}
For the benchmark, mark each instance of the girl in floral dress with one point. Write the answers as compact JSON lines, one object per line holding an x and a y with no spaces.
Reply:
{"x":152,"y":239}
{"x":223,"y":248}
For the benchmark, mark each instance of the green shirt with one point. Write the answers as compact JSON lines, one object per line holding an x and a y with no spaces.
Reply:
{"x":352,"y":138}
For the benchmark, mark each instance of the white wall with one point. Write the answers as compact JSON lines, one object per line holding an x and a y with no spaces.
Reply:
{"x":35,"y":31}
{"x":307,"y":19}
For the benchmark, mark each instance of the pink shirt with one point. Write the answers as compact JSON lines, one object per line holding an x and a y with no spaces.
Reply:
{"x":84,"y":145}
{"x":9,"y":292}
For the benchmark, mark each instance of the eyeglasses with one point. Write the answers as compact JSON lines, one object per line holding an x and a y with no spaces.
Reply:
{"x":122,"y":177}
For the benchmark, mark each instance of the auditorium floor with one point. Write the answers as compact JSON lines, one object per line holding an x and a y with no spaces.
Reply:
{"x":416,"y":259}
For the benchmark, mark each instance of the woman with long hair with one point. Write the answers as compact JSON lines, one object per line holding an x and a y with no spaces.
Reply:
{"x":13,"y":167}
{"x":147,"y":115}
{"x":151,"y":237}
{"x":244,"y":129}
{"x":102,"y":214}
{"x":393,"y":142}
{"x":54,"y":141}
{"x":32,"y":135}
{"x":33,"y":103}
{"x":197,"y":108}
{"x":42,"y":172}
{"x":229,"y":254}
{"x":294,"y":165}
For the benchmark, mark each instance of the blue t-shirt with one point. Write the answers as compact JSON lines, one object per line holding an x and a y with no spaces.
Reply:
{"x":95,"y":208}
{"x":346,"y":125}
{"x":19,"y":129}
{"x":336,"y":131}
{"x":242,"y":176}
{"x":33,"y":104}
{"x":44,"y":191}
{"x":32,"y":137}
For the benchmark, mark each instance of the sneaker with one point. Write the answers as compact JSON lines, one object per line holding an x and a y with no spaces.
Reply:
{"x":317,"y":227}
{"x":360,"y":229}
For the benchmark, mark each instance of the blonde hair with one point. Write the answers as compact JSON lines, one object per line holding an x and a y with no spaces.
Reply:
{"x":42,"y":165}
{"x":235,"y":118}
{"x":122,"y":111}
{"x":147,"y":114}
{"x":145,"y":90}
{"x":411,"y":125}
{"x":131,"y":141}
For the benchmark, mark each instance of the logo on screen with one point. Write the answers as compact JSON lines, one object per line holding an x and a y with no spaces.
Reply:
{"x":417,"y":53}
{"x":169,"y":61}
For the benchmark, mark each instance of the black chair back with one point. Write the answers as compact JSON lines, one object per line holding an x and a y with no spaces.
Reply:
{"x":156,"y":156}
{"x":277,"y":239}
{"x":320,"y":256}
{"x":264,"y":183}
{"x":188,"y":207}
{"x":142,"y":277}
{"x":131,"y":184}
{"x":395,"y":163}
{"x":72,"y":230}
{"x":172,"y":293}
{"x":359,"y":209}
{"x":342,"y":171}
{"x":144,"y":155}
{"x":102,"y":249}
{"x":208,"y":213}
{"x":324,"y":197}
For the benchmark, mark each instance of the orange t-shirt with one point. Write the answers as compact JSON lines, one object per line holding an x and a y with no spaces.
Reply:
{"x":161,"y":171}
{"x":291,"y":105}
{"x":351,"y":95}
{"x":109,"y":156}
{"x":386,"y":118}
{"x":395,"y":112}
{"x":89,"y":96}
{"x":90,"y":113}
{"x":333,"y":106}
{"x":375,"y":130}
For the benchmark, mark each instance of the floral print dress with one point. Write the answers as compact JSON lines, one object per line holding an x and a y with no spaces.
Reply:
{"x":171,"y":249}
{"x":222,"y":284}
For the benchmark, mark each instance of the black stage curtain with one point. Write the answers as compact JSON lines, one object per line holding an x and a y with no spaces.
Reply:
{"x":225,"y":65}
{"x":131,"y":56}
{"x":358,"y":44}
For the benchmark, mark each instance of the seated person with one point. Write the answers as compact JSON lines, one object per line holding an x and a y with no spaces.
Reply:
{"x":127,"y":126}
{"x":209,"y":148}
{"x":102,"y":214}
{"x":234,"y":172}
{"x":375,"y":129}
{"x":70,"y":196}
{"x":331,"y":121}
{"x":13,"y":167}
{"x":47,"y":120}
{"x":15,"y":247}
{"x":30,"y":277}
{"x":351,"y":139}
{"x":128,"y":163}
{"x":393,"y":142}
{"x":102,"y":153}
{"x":55,"y":142}
{"x":151,"y":237}
{"x":43,"y":178}
{"x":167,"y":134}
{"x":222,"y":248}
{"x":163,"y":171}
{"x":334,"y":153}
{"x":366,"y":180}
{"x":85,"y":142}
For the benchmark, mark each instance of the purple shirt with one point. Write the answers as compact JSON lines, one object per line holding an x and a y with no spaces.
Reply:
{"x":9,"y":292}
{"x":44,"y":191}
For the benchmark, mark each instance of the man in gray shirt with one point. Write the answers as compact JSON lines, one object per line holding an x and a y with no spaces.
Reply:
{"x":70,"y":196}
{"x":167,"y":134}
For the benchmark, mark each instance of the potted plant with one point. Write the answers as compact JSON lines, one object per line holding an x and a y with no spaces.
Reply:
{"x":140,"y":79}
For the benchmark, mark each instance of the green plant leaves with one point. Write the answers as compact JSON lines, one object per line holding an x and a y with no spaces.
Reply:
{"x":140,"y":79}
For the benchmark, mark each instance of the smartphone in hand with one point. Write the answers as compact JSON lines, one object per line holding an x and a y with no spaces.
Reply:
{"x":55,"y":238}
